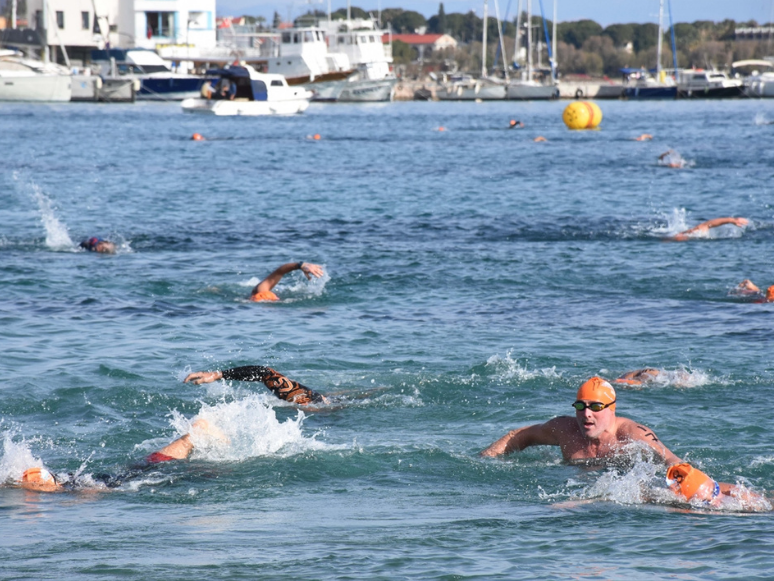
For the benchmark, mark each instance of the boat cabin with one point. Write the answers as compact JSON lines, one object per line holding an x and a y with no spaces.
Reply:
{"x":242,"y":83}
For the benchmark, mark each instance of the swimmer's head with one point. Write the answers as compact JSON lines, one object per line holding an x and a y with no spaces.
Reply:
{"x":39,"y":479}
{"x":691,"y":483}
{"x":95,"y":244}
{"x":597,"y":389}
{"x":770,"y":294}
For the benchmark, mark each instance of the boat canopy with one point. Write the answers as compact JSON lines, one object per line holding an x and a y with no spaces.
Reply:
{"x":752,"y":63}
{"x":630,"y":71}
{"x":247,"y":87}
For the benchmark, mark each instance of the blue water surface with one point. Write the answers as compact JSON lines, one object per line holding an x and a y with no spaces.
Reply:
{"x":474,"y":278}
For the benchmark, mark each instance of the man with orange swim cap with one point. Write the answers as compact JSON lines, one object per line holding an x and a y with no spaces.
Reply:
{"x":263,"y":292}
{"x":594,"y":433}
{"x":748,"y":288}
{"x":704,"y":228}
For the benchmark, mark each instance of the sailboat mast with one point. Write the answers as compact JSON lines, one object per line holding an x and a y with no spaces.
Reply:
{"x":483,"y":48}
{"x":517,"y":40}
{"x":502,"y":44}
{"x":529,"y":40}
{"x":553,"y":47}
{"x":660,"y":38}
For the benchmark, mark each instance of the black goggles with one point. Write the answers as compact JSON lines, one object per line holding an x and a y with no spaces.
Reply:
{"x":595,"y":406}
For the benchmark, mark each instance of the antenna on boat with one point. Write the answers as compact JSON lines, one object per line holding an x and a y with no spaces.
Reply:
{"x":516,"y":41}
{"x":553,"y":45}
{"x":529,"y":40}
{"x":660,"y":38}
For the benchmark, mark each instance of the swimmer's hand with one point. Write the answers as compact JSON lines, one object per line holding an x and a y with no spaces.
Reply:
{"x":199,"y":377}
{"x":740,"y":222}
{"x":311,"y":270}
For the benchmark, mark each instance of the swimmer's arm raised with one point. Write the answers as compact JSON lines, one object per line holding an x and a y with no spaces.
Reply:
{"x":310,"y":270}
{"x":536,"y":435}
{"x":245,"y":373}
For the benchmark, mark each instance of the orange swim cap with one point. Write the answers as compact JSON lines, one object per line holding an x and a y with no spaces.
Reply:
{"x":39,"y":479}
{"x":197,"y":137}
{"x":597,"y":389}
{"x":264,"y":296}
{"x":770,"y":294}
{"x":692,"y":483}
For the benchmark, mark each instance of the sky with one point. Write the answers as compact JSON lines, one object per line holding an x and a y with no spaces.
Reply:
{"x":605,"y":12}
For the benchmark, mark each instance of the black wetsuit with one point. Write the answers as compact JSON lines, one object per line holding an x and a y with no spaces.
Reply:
{"x":279,"y":385}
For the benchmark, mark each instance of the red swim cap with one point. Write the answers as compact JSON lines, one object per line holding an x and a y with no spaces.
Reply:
{"x":597,"y":389}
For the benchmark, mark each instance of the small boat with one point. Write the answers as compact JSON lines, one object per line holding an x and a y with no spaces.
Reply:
{"x":26,"y":79}
{"x":640,"y":84}
{"x":701,"y":84}
{"x":241,"y":90}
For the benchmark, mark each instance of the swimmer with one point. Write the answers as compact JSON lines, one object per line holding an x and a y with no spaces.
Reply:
{"x":644,"y":137}
{"x":693,"y":485}
{"x":284,"y":388}
{"x":596,"y":434}
{"x":41,"y":480}
{"x":672,"y":159}
{"x":748,"y":288}
{"x":514,"y":124}
{"x":197,"y":137}
{"x":540,"y":138}
{"x":704,"y":228}
{"x":263,"y":290}
{"x":95,"y":244}
{"x":638,"y":377}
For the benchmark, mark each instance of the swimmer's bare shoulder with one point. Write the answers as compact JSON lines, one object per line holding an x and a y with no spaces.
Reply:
{"x":630,"y":431}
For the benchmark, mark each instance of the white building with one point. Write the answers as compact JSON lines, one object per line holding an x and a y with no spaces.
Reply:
{"x":81,"y":26}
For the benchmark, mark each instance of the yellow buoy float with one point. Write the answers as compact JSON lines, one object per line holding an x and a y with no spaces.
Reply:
{"x":582,"y":115}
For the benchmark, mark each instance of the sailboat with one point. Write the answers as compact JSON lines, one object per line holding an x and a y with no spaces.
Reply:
{"x":640,"y":83}
{"x":465,"y":87}
{"x":526,"y":87}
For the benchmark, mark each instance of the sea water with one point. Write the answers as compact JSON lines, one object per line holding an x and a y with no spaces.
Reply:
{"x":474,"y":278}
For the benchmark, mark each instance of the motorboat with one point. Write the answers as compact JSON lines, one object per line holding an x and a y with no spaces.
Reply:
{"x":757,"y":84}
{"x":241,"y":90}
{"x":701,"y":84}
{"x":27,"y":79}
{"x":158,"y":82}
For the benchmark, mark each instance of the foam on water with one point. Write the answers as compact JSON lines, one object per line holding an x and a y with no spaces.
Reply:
{"x":507,"y":368}
{"x":250,"y":427}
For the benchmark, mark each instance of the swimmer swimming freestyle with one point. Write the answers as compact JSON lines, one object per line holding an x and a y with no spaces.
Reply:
{"x":263,"y":290}
{"x":702,"y":230}
{"x":100,"y":245}
{"x":597,"y":434}
{"x":749,"y":289}
{"x":40,"y":479}
{"x":284,"y":388}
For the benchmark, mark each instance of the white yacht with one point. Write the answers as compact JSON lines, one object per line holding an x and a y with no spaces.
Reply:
{"x":466,"y":88}
{"x":701,"y":84}
{"x":26,"y":79}
{"x":241,"y":90}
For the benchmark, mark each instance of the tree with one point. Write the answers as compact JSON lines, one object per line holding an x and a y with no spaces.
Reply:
{"x":341,"y":13}
{"x":441,"y":28}
{"x":620,"y":34}
{"x":576,"y":33}
{"x":645,"y":36}
{"x":402,"y":53}
{"x":277,"y":20}
{"x":408,"y":21}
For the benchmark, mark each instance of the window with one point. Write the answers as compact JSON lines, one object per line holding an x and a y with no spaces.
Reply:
{"x":160,"y":23}
{"x":60,"y":19}
{"x":85,"y":20}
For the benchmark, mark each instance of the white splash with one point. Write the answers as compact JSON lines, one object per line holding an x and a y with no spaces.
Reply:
{"x":509,"y":368}
{"x":249,"y":428}
{"x":17,"y":458}
{"x":57,"y":237}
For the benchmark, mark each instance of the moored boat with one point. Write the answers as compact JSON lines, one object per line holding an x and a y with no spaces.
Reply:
{"x":26,"y":79}
{"x":241,"y":90}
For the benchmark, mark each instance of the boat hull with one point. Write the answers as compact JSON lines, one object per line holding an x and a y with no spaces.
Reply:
{"x":711,"y":93}
{"x":244,"y":108}
{"x":531,"y":92}
{"x":636,"y":93}
{"x":36,"y":87}
{"x":168,"y":88}
{"x":474,"y":93}
{"x":360,"y":91}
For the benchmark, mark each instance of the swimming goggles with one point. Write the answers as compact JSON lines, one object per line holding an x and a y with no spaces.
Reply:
{"x":596,"y":406}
